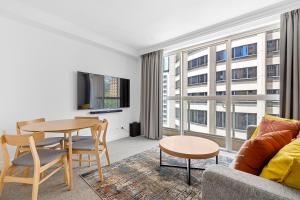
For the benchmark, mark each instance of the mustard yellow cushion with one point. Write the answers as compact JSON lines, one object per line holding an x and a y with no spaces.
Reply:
{"x":270,"y":117}
{"x":284,"y":167}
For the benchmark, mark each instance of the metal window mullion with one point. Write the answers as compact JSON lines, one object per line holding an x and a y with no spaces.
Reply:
{"x":181,"y":94}
{"x":228,"y":141}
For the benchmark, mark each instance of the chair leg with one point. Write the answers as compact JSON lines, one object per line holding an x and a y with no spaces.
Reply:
{"x":3,"y":174}
{"x":107,"y":156}
{"x":35,"y":185}
{"x":99,"y":166}
{"x":90,"y":162}
{"x":66,"y":167}
{"x":80,"y":160}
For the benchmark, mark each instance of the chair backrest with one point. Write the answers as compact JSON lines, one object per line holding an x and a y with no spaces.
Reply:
{"x":20,"y":124}
{"x":21,"y":140}
{"x":85,"y":117}
{"x":103,"y":124}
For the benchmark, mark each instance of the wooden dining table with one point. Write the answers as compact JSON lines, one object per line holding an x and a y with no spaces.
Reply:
{"x":66,"y":127}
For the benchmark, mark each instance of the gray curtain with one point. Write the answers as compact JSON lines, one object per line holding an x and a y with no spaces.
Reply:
{"x":151,"y":95}
{"x":290,"y":65}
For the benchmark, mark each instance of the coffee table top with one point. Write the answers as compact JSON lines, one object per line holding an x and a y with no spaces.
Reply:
{"x":189,"y":147}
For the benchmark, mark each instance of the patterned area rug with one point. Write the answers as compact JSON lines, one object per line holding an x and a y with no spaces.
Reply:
{"x":140,"y":177}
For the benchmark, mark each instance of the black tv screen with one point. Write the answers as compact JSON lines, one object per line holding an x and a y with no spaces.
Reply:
{"x":96,"y":91}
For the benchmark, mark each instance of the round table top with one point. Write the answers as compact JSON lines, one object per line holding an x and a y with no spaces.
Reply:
{"x":189,"y":147}
{"x":60,"y":125}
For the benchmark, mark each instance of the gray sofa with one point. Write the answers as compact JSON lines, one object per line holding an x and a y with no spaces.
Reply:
{"x":225,"y":183}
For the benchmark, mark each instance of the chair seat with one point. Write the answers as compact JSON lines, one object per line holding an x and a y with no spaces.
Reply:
{"x":87,"y":145}
{"x":45,"y":155}
{"x":47,"y":142}
{"x":79,"y":138}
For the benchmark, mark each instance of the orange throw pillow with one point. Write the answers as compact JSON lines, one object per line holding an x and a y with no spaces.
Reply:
{"x":256,"y":153}
{"x":271,"y":125}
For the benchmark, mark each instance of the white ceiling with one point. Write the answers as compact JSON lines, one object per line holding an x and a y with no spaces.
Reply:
{"x":142,"y":23}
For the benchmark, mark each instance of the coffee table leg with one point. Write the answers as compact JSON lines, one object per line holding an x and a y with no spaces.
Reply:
{"x":217,"y":159}
{"x":189,"y":171}
{"x":159,"y":157}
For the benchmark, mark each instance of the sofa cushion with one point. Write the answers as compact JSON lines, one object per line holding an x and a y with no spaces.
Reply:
{"x":284,"y":167}
{"x":271,"y":123}
{"x":256,"y":153}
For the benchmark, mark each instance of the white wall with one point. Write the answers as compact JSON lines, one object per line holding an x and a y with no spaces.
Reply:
{"x":38,"y":76}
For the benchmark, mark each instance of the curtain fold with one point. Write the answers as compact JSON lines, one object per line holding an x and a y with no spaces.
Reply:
{"x":290,"y":65}
{"x":151,"y":78}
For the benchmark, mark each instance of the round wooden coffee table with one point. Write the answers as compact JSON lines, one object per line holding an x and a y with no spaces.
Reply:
{"x":188,"y":147}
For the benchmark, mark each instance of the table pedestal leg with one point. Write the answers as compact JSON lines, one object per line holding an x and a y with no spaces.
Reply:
{"x":70,"y":160}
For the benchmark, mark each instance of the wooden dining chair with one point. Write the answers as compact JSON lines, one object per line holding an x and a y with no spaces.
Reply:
{"x":38,"y":159}
{"x":79,"y":137}
{"x":93,"y":146}
{"x":45,"y":142}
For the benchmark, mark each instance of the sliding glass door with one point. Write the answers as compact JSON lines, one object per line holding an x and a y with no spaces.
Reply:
{"x":215,"y":90}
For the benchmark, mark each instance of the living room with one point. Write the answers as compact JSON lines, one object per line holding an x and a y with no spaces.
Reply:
{"x":149,"y":99}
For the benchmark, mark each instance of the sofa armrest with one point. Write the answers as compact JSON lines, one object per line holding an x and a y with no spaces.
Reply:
{"x":229,"y":184}
{"x":250,"y":131}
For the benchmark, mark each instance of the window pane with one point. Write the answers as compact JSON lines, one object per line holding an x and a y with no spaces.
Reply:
{"x":171,"y":88}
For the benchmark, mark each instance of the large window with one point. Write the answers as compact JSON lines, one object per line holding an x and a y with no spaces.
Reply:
{"x":244,"y":73}
{"x":197,"y":80}
{"x":197,"y":62}
{"x":244,"y":51}
{"x":223,"y":86}
{"x":198,"y":116}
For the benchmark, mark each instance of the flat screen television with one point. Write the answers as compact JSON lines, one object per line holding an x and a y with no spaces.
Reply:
{"x":96,"y":91}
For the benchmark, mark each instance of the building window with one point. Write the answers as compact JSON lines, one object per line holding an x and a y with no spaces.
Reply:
{"x":198,"y":116}
{"x":220,"y":119}
{"x":244,"y":51}
{"x":220,"y":93}
{"x":273,"y":91}
{"x":177,"y":113}
{"x":177,"y":84}
{"x":244,"y":73}
{"x":177,"y":71}
{"x":197,"y":94}
{"x":197,"y":80}
{"x":244,"y":92}
{"x":166,"y":64}
{"x":273,"y":71}
{"x":221,"y":56}
{"x":272,"y":46}
{"x":197,"y":62}
{"x":220,"y":76}
{"x":243,"y":120}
